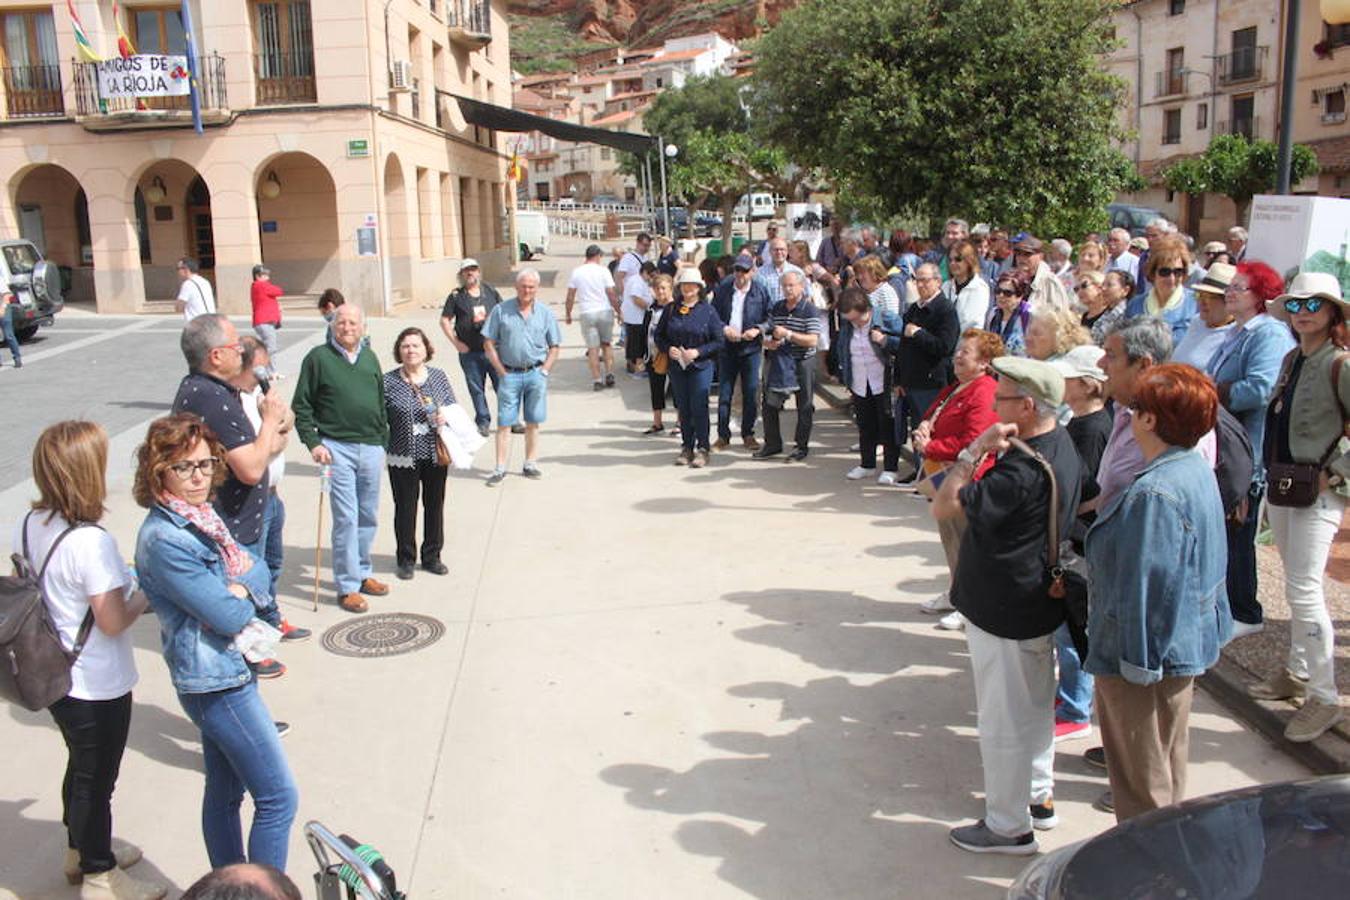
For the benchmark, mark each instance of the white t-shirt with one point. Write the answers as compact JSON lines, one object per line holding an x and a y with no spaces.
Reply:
{"x":634,"y":286}
{"x":591,"y":281}
{"x":87,"y":563}
{"x":276,"y":466}
{"x":197,"y":296}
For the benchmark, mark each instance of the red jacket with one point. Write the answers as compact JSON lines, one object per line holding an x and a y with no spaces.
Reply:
{"x":266,"y":309}
{"x":962,"y":420}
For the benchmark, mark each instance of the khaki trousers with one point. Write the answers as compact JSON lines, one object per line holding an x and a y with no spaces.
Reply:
{"x":1144,"y":731}
{"x":950,"y":531}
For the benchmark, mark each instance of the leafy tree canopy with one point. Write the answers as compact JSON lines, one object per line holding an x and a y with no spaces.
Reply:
{"x":996,"y":110}
{"x":1237,"y":168}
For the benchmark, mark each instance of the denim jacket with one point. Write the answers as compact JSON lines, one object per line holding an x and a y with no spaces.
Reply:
{"x":1161,"y":609}
{"x":1246,"y":367}
{"x":183,"y":575}
{"x":890,"y":324}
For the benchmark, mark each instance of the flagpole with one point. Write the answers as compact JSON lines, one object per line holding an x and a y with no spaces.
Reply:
{"x":194,"y":85}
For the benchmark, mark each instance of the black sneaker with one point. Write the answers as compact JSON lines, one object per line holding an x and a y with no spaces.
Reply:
{"x":598,"y":386}
{"x":496,"y":478}
{"x":1043,"y":816}
{"x":766,"y":452}
{"x":436,"y":567}
{"x":484,"y":430}
{"x":1096,"y":757}
{"x":1106,"y":802}
{"x":609,"y":379}
{"x":517,"y":429}
{"x":530,"y":470}
{"x":283,"y":728}
{"x":978,"y":838}
{"x":404,"y":571}
{"x":796,"y":455}
{"x":268,"y":668}
{"x":291,"y":632}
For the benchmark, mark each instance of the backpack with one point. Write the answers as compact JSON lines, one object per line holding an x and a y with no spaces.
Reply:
{"x":1233,"y":464}
{"x":34,"y":666}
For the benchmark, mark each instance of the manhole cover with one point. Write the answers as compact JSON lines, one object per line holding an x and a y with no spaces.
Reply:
{"x":383,"y":635}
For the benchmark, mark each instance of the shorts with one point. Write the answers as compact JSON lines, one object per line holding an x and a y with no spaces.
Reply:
{"x":522,"y":390}
{"x":597,"y":328}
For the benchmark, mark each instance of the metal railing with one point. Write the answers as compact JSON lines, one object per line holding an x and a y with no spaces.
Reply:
{"x":473,"y":16}
{"x":1248,"y":127}
{"x":1243,"y":64}
{"x":570,"y":206}
{"x":211,"y":92}
{"x":285,"y":78}
{"x":1171,"y":82}
{"x":33,"y":91}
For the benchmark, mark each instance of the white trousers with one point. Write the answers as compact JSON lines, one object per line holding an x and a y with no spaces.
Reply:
{"x":1304,"y":538}
{"x":1015,"y":702}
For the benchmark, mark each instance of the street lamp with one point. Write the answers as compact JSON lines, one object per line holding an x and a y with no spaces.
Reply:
{"x":665,"y":150}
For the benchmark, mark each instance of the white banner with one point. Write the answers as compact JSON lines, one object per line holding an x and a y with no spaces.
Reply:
{"x":803,"y":224}
{"x":144,"y":75}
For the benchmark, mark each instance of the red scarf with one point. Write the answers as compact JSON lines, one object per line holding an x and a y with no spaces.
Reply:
{"x":209,"y":522}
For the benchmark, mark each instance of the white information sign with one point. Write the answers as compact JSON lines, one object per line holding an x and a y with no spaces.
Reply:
{"x":1302,"y":234}
{"x":143,"y":75}
{"x":804,"y":224}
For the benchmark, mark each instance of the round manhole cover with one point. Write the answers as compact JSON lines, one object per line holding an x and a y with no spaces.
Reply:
{"x":384,"y":635}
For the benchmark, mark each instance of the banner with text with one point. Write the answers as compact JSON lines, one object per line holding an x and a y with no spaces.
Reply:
{"x":143,"y":75}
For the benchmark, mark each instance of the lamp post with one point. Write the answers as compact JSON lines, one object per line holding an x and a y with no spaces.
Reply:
{"x":1284,"y":161}
{"x":666,"y":150}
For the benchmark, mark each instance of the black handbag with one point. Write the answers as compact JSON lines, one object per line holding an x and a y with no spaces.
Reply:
{"x":1061,"y":584}
{"x":1297,"y":485}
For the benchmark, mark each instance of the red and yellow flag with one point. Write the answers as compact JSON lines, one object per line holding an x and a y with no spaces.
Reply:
{"x":124,"y":45}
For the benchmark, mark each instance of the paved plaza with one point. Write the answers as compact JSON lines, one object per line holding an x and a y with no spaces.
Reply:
{"x":654,"y":682}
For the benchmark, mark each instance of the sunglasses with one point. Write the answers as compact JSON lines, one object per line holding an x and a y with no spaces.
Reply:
{"x":1004,"y":292}
{"x":185,"y":468}
{"x":1296,"y":304}
{"x":1173,"y":273}
{"x":1025,"y":252}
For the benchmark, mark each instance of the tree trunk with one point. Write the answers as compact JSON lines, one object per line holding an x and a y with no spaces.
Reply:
{"x":1244,"y":206}
{"x":727,"y":209}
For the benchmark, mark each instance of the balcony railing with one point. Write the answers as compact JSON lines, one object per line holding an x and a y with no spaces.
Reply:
{"x":33,"y":91}
{"x":470,"y":22}
{"x":140,"y":112}
{"x":1243,"y":64}
{"x":285,"y":78}
{"x":1249,"y":128}
{"x":1171,"y":82}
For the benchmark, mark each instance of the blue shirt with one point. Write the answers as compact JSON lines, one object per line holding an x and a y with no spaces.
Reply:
{"x":522,"y":342}
{"x":1246,"y":367}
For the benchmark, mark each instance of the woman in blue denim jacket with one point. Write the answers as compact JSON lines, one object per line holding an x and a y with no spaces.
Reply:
{"x":1159,"y":612}
{"x":206,"y":589}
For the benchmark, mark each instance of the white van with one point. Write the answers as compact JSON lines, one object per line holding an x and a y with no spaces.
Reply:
{"x":531,"y":233}
{"x":757,"y":206}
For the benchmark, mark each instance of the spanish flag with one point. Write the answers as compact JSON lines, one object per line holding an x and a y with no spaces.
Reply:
{"x":515,"y":170}
{"x":124,"y":45}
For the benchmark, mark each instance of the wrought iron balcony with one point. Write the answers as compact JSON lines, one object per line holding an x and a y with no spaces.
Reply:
{"x":285,"y":78}
{"x":1243,"y":64}
{"x":96,"y":113}
{"x":1249,"y":127}
{"x":470,"y":22}
{"x":33,"y":91}
{"x":1171,"y":82}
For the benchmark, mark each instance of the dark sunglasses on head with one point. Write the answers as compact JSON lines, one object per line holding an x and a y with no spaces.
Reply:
{"x":1005,"y":292}
{"x":1175,"y":273}
{"x":1298,"y":304}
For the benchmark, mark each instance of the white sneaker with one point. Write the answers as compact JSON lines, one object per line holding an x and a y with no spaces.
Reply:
{"x":939,"y":604}
{"x":886,"y":479}
{"x":952,"y":621}
{"x":857,"y":473}
{"x":1242,"y":629}
{"x":854,"y":448}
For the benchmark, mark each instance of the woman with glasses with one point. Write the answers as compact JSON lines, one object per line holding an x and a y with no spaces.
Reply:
{"x":966,"y":289}
{"x":1012,"y":311}
{"x":1102,"y":308}
{"x":206,"y":590}
{"x":1305,"y":423}
{"x":1169,"y":262}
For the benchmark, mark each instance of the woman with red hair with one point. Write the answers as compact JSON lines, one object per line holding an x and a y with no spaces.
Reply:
{"x":1245,"y":369}
{"x":1157,"y":618}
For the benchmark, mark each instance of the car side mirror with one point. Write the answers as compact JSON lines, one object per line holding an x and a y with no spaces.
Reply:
{"x":47,"y":282}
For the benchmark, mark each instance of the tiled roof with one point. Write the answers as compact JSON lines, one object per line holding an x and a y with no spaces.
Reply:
{"x":1333,"y":154}
{"x":618,"y":117}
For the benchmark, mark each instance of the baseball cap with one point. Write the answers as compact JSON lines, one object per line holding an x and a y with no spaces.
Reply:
{"x":1139,"y":243}
{"x":1024,"y":240}
{"x":469,"y":263}
{"x":743,"y":263}
{"x":1039,"y":379}
{"x":261,"y":270}
{"x":1081,"y":362}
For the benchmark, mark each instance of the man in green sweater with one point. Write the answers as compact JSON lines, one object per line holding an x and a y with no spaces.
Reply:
{"x":339,"y":414}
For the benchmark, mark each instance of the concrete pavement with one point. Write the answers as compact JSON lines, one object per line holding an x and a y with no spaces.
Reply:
{"x":654,"y":682}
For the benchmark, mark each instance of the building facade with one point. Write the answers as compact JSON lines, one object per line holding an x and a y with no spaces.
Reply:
{"x":1195,"y":69}
{"x":332,"y":151}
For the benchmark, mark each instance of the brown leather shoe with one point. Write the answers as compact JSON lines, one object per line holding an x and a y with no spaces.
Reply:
{"x":374,"y":588}
{"x":750,"y":443}
{"x":721,"y":444}
{"x":353,"y":603}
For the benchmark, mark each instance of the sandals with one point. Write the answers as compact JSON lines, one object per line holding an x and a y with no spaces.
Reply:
{"x":655,"y":429}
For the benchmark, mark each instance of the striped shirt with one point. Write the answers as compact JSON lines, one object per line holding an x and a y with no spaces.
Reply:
{"x":803,"y":318}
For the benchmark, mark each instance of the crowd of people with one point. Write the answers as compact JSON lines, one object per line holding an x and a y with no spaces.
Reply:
{"x":1100,"y":430}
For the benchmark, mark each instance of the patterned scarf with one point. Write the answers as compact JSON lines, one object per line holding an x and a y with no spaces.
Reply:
{"x":209,"y":522}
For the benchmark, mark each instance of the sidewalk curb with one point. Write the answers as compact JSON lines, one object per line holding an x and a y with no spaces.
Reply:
{"x":834,"y":395}
{"x":1227,"y":683}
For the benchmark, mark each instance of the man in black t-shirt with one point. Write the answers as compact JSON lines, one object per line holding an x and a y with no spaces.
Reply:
{"x":1000,"y":587}
{"x":462,"y":318}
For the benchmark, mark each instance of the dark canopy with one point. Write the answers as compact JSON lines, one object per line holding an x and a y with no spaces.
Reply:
{"x":499,"y":118}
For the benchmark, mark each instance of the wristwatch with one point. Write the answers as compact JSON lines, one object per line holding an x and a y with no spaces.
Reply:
{"x":969,"y":458}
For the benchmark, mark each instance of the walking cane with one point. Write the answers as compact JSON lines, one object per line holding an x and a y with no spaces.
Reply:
{"x":325,"y":479}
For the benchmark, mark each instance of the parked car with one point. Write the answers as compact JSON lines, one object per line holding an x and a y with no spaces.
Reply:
{"x":531,"y":233}
{"x":1268,"y":842}
{"x":1133,"y":219}
{"x":705,"y":223}
{"x":758,"y":206}
{"x":35,"y":284}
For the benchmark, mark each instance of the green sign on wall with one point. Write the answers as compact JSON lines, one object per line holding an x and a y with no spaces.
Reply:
{"x":358,"y":148}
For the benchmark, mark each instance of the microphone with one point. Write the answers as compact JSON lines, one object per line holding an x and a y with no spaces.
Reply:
{"x":264,"y":378}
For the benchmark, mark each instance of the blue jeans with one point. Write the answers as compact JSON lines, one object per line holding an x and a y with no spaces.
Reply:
{"x":355,"y":494}
{"x":11,"y":341}
{"x":1075,"y":685}
{"x":745,"y":367}
{"x":243,"y":752}
{"x":691,"y":387}
{"x":476,"y":372}
{"x":266,"y":550}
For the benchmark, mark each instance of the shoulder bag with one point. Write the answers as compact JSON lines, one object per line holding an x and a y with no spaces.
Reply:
{"x":1062,"y":585}
{"x":1295,"y":484}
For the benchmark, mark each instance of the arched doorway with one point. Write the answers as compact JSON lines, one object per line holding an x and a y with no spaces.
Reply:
{"x":172,"y":205}
{"x":53,"y":213}
{"x":298,"y":223}
{"x":397,"y":243}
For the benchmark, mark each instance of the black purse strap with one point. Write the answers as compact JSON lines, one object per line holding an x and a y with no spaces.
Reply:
{"x":86,"y":626}
{"x":1052,"y":553}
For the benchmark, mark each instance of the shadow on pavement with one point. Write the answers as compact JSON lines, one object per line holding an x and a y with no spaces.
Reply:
{"x":156,"y":733}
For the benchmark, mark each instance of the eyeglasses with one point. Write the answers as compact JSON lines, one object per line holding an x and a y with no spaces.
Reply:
{"x":185,"y":468}
{"x":237,"y":347}
{"x":1237,"y":289}
{"x":1171,"y":273}
{"x":1298,"y":304}
{"x":1025,"y":252}
{"x":1005,"y":292}
{"x":1085,"y":286}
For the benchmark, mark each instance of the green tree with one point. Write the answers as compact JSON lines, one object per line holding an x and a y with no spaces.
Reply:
{"x":1237,"y":168}
{"x":997,"y":110}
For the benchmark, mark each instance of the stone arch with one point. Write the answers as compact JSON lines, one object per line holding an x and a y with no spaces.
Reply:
{"x":398,"y":248}
{"x":52,"y":210}
{"x":298,"y":232}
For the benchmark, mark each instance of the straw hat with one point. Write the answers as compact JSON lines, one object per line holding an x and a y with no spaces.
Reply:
{"x":1305,"y":286}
